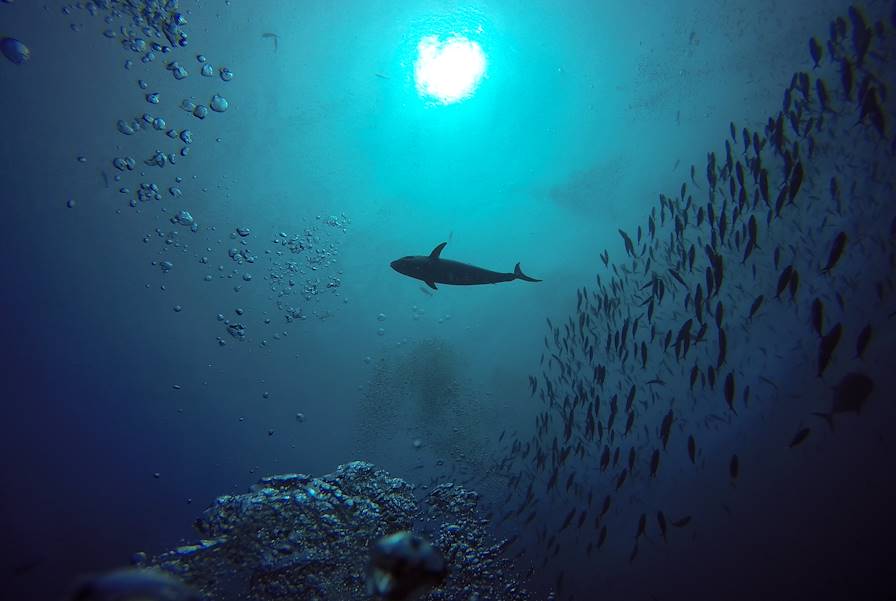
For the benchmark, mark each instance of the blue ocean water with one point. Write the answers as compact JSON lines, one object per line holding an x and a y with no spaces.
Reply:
{"x":172,"y":333}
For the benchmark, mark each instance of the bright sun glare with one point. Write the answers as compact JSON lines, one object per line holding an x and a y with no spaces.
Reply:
{"x":448,"y":71}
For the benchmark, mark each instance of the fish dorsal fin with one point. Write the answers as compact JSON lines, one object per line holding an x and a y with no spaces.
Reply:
{"x":437,"y":251}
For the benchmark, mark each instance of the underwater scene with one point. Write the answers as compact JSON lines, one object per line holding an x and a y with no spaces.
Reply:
{"x":448,"y":300}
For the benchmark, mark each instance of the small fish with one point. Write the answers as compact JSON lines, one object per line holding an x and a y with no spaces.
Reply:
{"x":862,"y":341}
{"x":851,"y":392}
{"x":827,"y":346}
{"x":681,"y":523}
{"x":272,"y":36}
{"x":666,"y":428}
{"x":642,"y":526}
{"x":661,"y":521}
{"x":568,"y":520}
{"x":799,"y":437}
{"x":629,"y":246}
{"x":654,"y":463}
{"x":692,"y":449}
{"x":621,"y":479}
{"x":861,"y":34}
{"x":734,"y":467}
{"x":822,"y":92}
{"x":815,"y":51}
{"x":847,"y":78}
{"x":794,"y":284}
{"x":756,"y":305}
{"x":729,"y":391}
{"x":28,"y":565}
{"x":836,"y":252}
{"x":817,"y":316}
{"x":784,"y":279}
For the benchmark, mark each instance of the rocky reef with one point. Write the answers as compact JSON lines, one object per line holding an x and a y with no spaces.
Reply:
{"x":295,"y":536}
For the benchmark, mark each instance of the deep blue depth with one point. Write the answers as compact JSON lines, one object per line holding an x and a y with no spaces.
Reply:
{"x":150,"y":365}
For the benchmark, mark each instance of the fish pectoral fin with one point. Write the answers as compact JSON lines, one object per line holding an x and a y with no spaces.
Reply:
{"x":432,"y":285}
{"x":437,"y":251}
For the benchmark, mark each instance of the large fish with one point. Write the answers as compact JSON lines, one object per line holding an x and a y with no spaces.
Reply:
{"x":850,"y":395}
{"x":432,"y":270}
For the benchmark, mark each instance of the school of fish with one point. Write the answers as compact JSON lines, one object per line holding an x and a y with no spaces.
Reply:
{"x":665,"y":346}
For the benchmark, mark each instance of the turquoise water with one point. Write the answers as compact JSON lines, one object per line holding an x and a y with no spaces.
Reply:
{"x":130,"y":404}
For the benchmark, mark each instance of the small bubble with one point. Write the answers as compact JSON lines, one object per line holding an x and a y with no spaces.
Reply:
{"x":218,"y":103}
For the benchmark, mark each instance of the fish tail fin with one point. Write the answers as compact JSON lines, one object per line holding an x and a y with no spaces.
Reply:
{"x":828,"y":417}
{"x":519,"y":275}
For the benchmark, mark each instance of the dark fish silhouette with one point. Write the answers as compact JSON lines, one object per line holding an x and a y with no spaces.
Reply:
{"x":784,"y":279}
{"x":862,"y":341}
{"x":568,"y":520}
{"x":729,"y":391}
{"x":434,"y":270}
{"x":836,"y":252}
{"x":817,"y":316}
{"x":661,"y":521}
{"x":815,"y":51}
{"x":734,"y":467}
{"x":666,"y":428}
{"x":756,"y":305}
{"x":681,"y":523}
{"x":850,"y":395}
{"x":642,"y":526}
{"x":861,"y":34}
{"x":847,"y":78}
{"x":629,"y":247}
{"x":826,"y":348}
{"x":799,"y":437}
{"x":621,"y":479}
{"x":692,"y":449}
{"x":272,"y":36}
